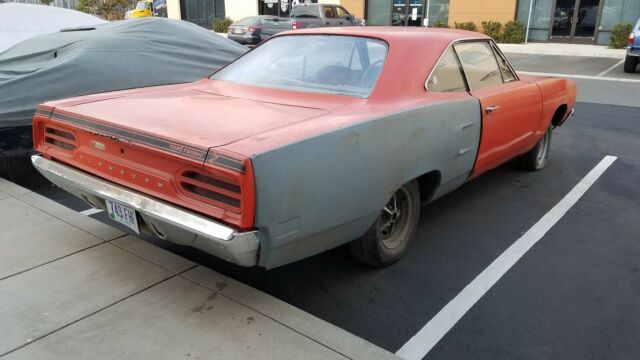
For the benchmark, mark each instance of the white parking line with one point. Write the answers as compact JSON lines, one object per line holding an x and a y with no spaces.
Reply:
{"x":420,"y":344}
{"x":611,"y":68}
{"x":582,"y":77}
{"x":91,"y":211}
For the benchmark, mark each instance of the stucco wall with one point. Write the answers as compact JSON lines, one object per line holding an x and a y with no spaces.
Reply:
{"x":173,"y":9}
{"x":238,"y":9}
{"x":481,"y":10}
{"x":356,"y":7}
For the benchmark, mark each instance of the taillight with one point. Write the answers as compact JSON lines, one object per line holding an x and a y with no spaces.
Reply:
{"x":632,"y":37}
{"x":59,"y":138}
{"x":254,"y":28}
{"x":295,"y":25}
{"x":225,"y":182}
{"x":213,"y":188}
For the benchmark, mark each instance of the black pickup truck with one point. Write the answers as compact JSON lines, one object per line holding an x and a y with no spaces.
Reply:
{"x":310,"y":16}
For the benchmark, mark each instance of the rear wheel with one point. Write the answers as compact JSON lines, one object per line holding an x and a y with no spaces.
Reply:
{"x":630,"y":64}
{"x":388,"y":239}
{"x":538,"y":157}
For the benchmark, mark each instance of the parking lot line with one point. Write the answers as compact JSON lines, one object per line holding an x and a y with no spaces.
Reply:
{"x":611,"y":68}
{"x":583,"y":77}
{"x":91,"y":211}
{"x":421,"y":343}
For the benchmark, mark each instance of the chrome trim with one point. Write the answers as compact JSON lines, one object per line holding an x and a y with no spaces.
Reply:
{"x":167,"y":221}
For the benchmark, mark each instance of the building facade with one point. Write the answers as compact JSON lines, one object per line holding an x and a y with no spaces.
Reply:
{"x":570,"y":21}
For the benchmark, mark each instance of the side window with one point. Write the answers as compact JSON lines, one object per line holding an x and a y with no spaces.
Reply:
{"x":507,"y":74}
{"x":341,"y":12}
{"x":447,"y":75}
{"x":329,"y":13}
{"x":479,"y":64}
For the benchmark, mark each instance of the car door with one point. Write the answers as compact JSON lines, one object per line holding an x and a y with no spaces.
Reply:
{"x":329,"y":15}
{"x":511,"y":109}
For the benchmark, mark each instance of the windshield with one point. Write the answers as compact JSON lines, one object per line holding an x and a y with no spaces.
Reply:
{"x":142,"y":5}
{"x":330,"y":64}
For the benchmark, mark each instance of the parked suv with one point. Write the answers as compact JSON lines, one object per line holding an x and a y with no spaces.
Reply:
{"x":633,"y":51}
{"x":311,"y":16}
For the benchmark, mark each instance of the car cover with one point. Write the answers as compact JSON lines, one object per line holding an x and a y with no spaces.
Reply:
{"x":112,"y":56}
{"x":19,"y":22}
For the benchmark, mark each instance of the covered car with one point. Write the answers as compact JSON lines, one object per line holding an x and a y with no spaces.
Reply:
{"x":112,"y":56}
{"x":19,"y":22}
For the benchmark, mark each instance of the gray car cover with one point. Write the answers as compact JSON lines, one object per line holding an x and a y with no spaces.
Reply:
{"x":113,"y":56}
{"x":19,"y":22}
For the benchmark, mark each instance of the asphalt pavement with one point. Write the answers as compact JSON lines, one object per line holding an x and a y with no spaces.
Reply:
{"x":573,"y":295}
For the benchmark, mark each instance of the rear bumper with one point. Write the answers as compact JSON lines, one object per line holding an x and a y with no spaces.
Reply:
{"x":633,"y":52}
{"x":244,"y":39}
{"x":164,"y":220}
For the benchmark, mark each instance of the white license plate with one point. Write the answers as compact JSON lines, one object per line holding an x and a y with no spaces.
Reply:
{"x":122,"y":214}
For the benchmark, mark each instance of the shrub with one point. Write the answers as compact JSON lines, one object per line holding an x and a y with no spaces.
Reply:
{"x":492,"y":29}
{"x":222,"y":25}
{"x":619,"y":37}
{"x":513,"y":33}
{"x":439,"y":24}
{"x":469,"y":26}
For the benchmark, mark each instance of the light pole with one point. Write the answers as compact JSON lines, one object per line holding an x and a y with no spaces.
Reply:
{"x":427,"y":13}
{"x":526,"y":36}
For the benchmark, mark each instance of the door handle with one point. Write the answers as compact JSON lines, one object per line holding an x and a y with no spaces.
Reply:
{"x":491,"y":109}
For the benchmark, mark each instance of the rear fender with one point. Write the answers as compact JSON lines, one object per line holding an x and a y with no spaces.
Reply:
{"x":326,"y":190}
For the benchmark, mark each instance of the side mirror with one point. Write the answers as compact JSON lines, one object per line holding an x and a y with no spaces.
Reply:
{"x":349,"y":17}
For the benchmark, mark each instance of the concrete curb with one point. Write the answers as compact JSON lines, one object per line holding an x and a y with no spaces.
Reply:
{"x":96,"y":294}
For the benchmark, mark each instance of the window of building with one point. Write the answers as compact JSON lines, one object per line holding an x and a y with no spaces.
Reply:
{"x":447,"y":75}
{"x":479,"y":64}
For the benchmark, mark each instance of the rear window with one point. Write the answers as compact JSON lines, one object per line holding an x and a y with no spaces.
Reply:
{"x":253,"y":20}
{"x":331,"y":64}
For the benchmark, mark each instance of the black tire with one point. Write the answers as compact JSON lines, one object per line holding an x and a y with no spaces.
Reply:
{"x":630,"y":64}
{"x":538,"y":157}
{"x":388,"y":239}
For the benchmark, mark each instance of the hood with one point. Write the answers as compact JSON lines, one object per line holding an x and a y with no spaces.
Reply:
{"x":189,"y":116}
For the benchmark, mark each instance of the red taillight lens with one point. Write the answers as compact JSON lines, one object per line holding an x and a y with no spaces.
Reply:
{"x":632,"y":38}
{"x":59,"y":138}
{"x":295,"y":25}
{"x":226,"y":182}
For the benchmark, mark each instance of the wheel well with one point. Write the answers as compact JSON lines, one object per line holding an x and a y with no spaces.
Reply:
{"x":428,"y":183}
{"x":559,"y":115}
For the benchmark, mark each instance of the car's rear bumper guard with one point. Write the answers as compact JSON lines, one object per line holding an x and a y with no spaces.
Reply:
{"x":166,"y":221}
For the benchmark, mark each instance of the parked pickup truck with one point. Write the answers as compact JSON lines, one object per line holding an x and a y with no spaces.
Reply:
{"x":311,"y":16}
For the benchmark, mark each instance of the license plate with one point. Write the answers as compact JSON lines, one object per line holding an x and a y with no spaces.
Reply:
{"x":238,"y":30}
{"x":122,"y":214}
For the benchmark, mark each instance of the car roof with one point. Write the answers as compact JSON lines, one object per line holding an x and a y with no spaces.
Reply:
{"x":393,"y":34}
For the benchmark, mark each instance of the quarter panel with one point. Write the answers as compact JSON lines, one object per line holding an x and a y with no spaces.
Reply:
{"x":326,"y":190}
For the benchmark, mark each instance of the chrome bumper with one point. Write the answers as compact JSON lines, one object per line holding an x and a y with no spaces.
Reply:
{"x":164,"y":220}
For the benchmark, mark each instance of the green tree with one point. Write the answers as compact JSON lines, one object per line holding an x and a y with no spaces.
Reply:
{"x":619,"y":37}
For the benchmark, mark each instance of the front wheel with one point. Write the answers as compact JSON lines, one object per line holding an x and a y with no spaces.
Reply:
{"x":630,"y":64}
{"x":538,"y":157}
{"x":388,"y":239}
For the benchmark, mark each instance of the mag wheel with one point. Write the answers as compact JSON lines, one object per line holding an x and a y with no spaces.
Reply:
{"x":388,"y":239}
{"x":538,"y":157}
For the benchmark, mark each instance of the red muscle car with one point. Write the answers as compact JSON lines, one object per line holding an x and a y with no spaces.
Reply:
{"x":311,"y":140}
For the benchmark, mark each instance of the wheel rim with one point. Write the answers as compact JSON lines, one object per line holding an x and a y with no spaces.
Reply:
{"x":394,"y":219}
{"x":544,"y":148}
